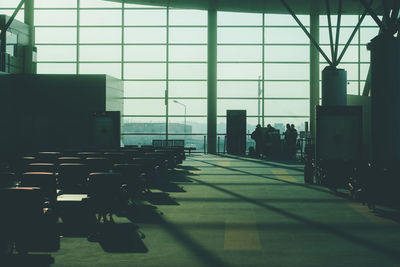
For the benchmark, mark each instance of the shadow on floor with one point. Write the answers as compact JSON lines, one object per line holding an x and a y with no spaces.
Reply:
{"x":142,"y":213}
{"x":160,"y":198}
{"x":121,"y":238}
{"x":77,"y":226}
{"x":42,"y":260}
{"x":169,"y":187}
{"x":293,"y":165}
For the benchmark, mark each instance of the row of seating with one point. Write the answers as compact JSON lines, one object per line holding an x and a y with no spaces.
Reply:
{"x":103,"y":180}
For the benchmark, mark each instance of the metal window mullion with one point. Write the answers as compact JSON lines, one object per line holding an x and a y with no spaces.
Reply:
{"x":122,"y":41}
{"x":167,"y":75}
{"x":263,"y":70}
{"x":359,"y":58}
{"x":77,"y":34}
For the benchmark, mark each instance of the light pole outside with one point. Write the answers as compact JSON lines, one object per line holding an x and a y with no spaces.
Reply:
{"x":175,"y":101}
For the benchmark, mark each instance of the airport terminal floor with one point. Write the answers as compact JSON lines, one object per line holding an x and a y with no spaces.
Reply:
{"x":230,"y":211}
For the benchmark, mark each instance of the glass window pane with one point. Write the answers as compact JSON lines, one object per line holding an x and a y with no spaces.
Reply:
{"x":238,"y":88}
{"x":352,"y":71}
{"x":100,"y":35}
{"x":9,"y":12}
{"x":141,"y":139}
{"x":194,"y":125}
{"x":188,"y":71}
{"x":251,"y":106}
{"x":237,"y":18}
{"x":366,"y":34}
{"x":187,"y":89}
{"x":100,"y":53}
{"x":144,"y":89}
{"x":144,"y":107}
{"x":188,"y":53}
{"x":55,"y":35}
{"x":346,"y":20}
{"x":98,"y":3}
{"x":344,"y":35}
{"x":187,"y":17}
{"x":285,"y":36}
{"x":364,"y":68}
{"x":112,"y":69}
{"x":55,"y":4}
{"x":365,"y":55}
{"x":55,"y":17}
{"x":145,"y":35}
{"x":287,"y":89}
{"x":285,"y":20}
{"x":240,"y":35}
{"x":100,"y":17}
{"x":145,"y":125}
{"x":286,"y":107}
{"x":145,"y":71}
{"x":145,"y":53}
{"x":352,"y":87}
{"x":351,"y":54}
{"x":240,"y":53}
{"x":239,"y":70}
{"x":287,"y":71}
{"x":145,"y":17}
{"x":9,"y":3}
{"x":56,"y":68}
{"x":56,"y":53}
{"x":188,"y":35}
{"x":193,"y":107}
{"x":287,"y":53}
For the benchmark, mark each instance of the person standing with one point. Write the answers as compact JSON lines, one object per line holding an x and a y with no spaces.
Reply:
{"x":256,"y":135}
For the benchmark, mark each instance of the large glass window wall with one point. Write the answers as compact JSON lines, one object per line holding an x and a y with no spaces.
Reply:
{"x":263,"y":62}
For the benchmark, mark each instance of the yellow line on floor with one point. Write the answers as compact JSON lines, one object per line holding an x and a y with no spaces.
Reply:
{"x":224,"y":163}
{"x":241,"y":236}
{"x":284,"y":175}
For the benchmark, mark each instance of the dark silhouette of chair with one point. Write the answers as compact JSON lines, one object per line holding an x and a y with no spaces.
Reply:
{"x":116,"y":157}
{"x":40,"y":167}
{"x":72,"y":177}
{"x":28,"y":224}
{"x":70,"y":160}
{"x":49,"y":157}
{"x":104,"y":192}
{"x":98,"y":164}
{"x":132,"y":175}
{"x":46,"y":181}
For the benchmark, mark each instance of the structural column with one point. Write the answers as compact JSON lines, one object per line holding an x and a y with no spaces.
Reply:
{"x":29,"y":67}
{"x":314,"y":71}
{"x":212,"y":83}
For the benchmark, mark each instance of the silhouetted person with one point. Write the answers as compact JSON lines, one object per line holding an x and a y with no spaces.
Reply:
{"x":292,"y":138}
{"x":268,"y":140}
{"x":256,"y":135}
{"x":287,"y":133}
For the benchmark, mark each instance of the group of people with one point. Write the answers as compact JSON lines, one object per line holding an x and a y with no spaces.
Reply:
{"x":268,"y":139}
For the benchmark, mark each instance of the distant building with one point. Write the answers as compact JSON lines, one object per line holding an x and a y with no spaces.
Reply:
{"x":156,"y":127}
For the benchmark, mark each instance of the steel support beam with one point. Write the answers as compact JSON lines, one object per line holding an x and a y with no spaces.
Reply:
{"x":314,"y":71}
{"x":212,"y":83}
{"x":373,"y":15}
{"x":352,"y":36}
{"x":29,"y":20}
{"x":339,"y":18}
{"x":306,"y":32}
{"x":328,"y":14}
